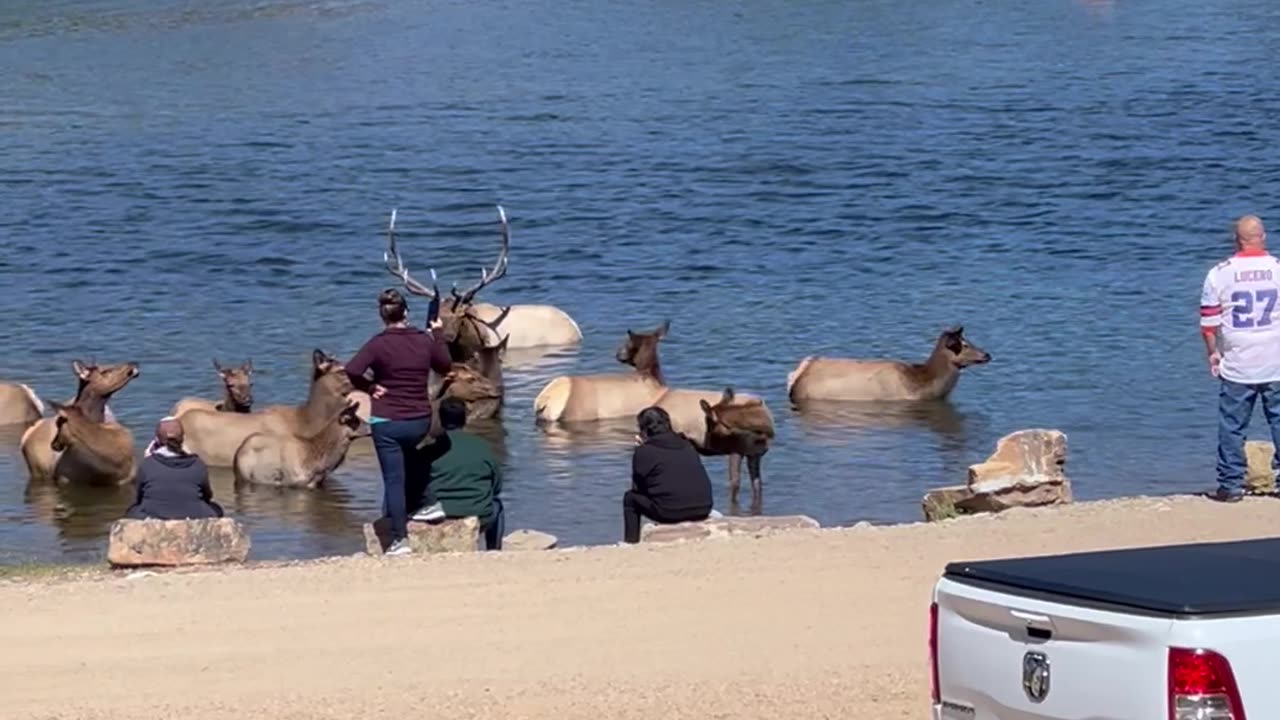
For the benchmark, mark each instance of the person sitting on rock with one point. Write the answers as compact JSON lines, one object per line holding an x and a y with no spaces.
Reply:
{"x":172,"y":483}
{"x":466,"y":480}
{"x":668,"y":482}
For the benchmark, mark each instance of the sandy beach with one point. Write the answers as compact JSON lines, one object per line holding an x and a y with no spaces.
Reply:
{"x":808,"y":624}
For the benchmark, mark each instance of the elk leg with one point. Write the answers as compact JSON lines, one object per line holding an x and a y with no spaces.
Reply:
{"x":735,"y":469}
{"x":757,"y":484}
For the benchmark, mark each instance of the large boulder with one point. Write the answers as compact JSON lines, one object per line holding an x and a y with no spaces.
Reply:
{"x":518,"y":540}
{"x":139,"y":543}
{"x":1259,"y":478}
{"x":754,"y":526}
{"x":1026,"y":470}
{"x":452,"y":535}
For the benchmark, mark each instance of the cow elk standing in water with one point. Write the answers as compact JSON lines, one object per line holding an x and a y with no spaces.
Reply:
{"x":582,"y":398}
{"x":96,"y":385}
{"x":91,"y":452}
{"x":237,"y":385}
{"x":216,"y":436}
{"x":819,"y":378}
{"x":469,"y":325}
{"x":738,"y":429}
{"x":305,"y":459}
{"x":19,"y":404}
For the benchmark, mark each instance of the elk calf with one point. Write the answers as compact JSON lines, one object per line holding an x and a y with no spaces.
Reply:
{"x":96,"y":385}
{"x":91,"y":452}
{"x":819,"y":378}
{"x":738,"y":428}
{"x":237,"y":385}
{"x":299,"y":461}
{"x":19,"y":404}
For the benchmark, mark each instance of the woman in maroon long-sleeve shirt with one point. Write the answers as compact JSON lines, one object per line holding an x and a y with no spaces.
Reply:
{"x":402,"y":358}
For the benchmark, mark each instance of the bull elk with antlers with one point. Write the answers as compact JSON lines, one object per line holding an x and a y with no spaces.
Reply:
{"x":237,"y":383}
{"x":477,"y":324}
{"x":95,"y":437}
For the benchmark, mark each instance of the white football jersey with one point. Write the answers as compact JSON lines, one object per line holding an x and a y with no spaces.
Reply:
{"x":1239,"y":299}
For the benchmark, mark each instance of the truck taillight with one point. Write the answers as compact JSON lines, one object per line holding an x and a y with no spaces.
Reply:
{"x":934,"y":690}
{"x":1202,"y":686}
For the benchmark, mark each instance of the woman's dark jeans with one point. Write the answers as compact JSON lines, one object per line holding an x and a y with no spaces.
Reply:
{"x":396,"y":442}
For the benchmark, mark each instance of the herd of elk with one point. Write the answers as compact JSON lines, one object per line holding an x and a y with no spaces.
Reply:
{"x":300,"y":445}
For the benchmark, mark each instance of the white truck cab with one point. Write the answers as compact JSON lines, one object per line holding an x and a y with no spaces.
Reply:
{"x":1182,"y":632}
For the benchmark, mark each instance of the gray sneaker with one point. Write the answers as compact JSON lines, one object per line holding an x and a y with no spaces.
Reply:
{"x":430,"y":514}
{"x":399,"y":547}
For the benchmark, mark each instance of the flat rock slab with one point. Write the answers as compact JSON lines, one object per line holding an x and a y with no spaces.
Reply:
{"x":452,"y":535}
{"x":755,"y":526}
{"x":141,"y":543}
{"x":518,"y":540}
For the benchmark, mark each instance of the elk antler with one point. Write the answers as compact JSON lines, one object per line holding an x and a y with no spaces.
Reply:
{"x":399,"y":270}
{"x":488,"y":276}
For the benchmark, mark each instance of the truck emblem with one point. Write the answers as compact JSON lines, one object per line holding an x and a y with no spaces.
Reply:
{"x":1035,"y":675}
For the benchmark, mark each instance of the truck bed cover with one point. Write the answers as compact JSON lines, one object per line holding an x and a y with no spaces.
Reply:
{"x":1222,"y":578}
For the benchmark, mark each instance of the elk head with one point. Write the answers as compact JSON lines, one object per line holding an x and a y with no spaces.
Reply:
{"x":465,"y":333}
{"x":238,"y":382}
{"x":329,"y":373}
{"x":738,"y":427}
{"x":103,"y":380}
{"x":958,"y":351}
{"x":640,"y":350}
{"x":349,"y":419}
{"x":64,"y":423}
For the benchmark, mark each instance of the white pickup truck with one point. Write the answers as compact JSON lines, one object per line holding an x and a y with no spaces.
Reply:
{"x":1179,"y":632}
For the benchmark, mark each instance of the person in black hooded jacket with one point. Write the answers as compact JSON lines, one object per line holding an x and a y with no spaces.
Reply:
{"x":668,"y":482}
{"x":172,"y":484}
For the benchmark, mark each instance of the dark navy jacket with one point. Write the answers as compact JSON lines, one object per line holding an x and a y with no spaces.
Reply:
{"x":173,"y":488}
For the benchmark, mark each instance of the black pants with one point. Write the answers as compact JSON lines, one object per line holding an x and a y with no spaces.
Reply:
{"x":634,"y":505}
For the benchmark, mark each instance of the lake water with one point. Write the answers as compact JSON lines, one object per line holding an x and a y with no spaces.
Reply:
{"x":181,"y":181}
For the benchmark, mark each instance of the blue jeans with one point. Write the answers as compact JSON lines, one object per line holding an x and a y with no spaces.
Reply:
{"x":396,"y":443}
{"x":1235,"y":409}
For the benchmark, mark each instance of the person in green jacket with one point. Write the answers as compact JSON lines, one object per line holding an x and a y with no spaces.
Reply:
{"x":465,"y":478}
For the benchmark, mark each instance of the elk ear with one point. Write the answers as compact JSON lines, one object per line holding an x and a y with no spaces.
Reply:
{"x":248,"y":366}
{"x":662,"y":330}
{"x":80,"y":369}
{"x":706,"y":406}
{"x":728,"y":396}
{"x":955,"y":330}
{"x":217,"y":367}
{"x":318,"y":357}
{"x":502,"y":346}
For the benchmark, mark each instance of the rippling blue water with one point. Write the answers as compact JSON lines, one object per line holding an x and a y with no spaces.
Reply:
{"x":186,"y":180}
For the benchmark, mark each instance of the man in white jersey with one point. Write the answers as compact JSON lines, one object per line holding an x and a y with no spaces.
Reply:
{"x":1240,"y":323}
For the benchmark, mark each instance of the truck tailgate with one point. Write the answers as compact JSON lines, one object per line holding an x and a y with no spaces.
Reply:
{"x":1006,"y":657}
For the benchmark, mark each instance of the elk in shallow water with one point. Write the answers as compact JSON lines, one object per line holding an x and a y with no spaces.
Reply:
{"x":580,"y":398}
{"x":19,"y":404}
{"x":91,"y":452}
{"x":303,"y":460}
{"x":96,"y":385}
{"x":215,"y":436}
{"x":821,"y":378}
{"x":470,"y":326}
{"x":738,"y":429}
{"x":237,"y":383}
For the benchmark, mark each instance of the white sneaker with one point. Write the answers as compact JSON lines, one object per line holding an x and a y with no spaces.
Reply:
{"x":399,"y":547}
{"x":430,"y":514}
